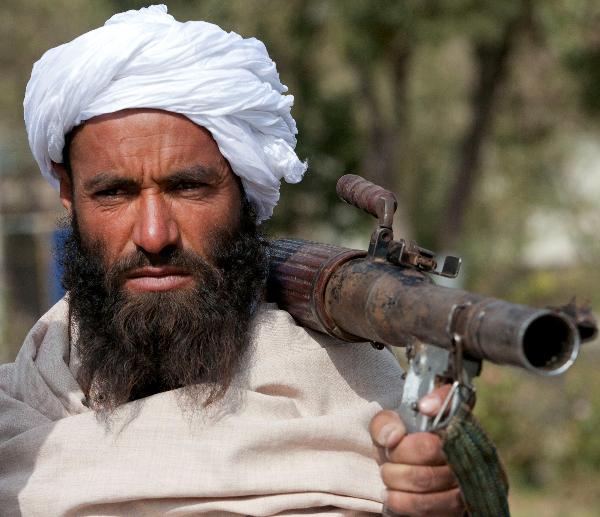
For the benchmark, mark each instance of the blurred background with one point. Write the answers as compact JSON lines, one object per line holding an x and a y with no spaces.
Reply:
{"x":482,"y":116}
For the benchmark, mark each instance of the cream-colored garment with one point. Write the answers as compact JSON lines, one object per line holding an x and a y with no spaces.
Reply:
{"x":290,"y":438}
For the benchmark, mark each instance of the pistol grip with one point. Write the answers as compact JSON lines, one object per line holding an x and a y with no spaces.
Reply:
{"x":428,"y":369}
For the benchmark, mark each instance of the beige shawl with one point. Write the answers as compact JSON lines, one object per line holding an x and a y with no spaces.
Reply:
{"x":290,"y":438}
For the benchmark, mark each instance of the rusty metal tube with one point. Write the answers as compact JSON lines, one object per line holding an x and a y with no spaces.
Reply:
{"x":379,"y":302}
{"x":338,"y":291}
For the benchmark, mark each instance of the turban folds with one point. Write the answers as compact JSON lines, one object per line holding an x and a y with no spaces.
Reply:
{"x":147,"y":59}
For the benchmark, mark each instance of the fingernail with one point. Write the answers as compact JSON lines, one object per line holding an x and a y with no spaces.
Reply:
{"x":384,"y":495}
{"x":429,"y":405}
{"x":387,"y":434}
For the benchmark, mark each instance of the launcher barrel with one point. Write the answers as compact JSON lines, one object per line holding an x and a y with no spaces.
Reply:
{"x":340,"y":292}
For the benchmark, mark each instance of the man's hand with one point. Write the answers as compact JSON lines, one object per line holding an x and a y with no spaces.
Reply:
{"x":413,"y":467}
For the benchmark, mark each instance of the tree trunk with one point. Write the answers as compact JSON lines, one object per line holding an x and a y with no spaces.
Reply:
{"x":384,"y":138}
{"x":386,"y":141}
{"x":491,"y":59}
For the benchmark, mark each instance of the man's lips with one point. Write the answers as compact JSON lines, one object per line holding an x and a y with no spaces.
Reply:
{"x":157,"y":278}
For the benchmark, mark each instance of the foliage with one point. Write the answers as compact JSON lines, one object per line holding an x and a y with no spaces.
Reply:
{"x":546,"y":430}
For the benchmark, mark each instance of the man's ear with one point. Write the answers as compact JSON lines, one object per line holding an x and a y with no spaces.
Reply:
{"x":65,"y":186}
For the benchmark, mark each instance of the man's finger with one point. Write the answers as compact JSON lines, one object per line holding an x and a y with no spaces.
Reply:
{"x":437,"y":504}
{"x":387,"y":429}
{"x":431,"y":404}
{"x":417,"y":478}
{"x":418,"y":449}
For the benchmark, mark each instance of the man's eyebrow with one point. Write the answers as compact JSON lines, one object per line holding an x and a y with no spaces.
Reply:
{"x":106,"y":180}
{"x":193,"y":174}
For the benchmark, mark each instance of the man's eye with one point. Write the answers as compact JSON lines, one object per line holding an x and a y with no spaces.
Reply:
{"x":110,"y":192}
{"x":188,"y":185}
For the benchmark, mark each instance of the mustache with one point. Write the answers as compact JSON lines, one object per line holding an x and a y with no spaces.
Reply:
{"x":192,"y":263}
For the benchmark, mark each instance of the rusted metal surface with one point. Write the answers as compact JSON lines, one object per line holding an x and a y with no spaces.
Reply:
{"x":367,"y":196}
{"x":392,"y":305}
{"x":414,"y":255}
{"x":338,"y":291}
{"x":384,"y":296}
{"x":298,"y":273}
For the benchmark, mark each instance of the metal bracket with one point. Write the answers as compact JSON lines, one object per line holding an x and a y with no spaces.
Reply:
{"x":381,"y":203}
{"x":421,"y":258}
{"x":380,"y":242}
{"x":430,"y":367}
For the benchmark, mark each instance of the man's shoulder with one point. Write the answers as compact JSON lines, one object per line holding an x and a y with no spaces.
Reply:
{"x":338,"y":374}
{"x":274,"y":331}
{"x":278,"y":328}
{"x":42,"y":376}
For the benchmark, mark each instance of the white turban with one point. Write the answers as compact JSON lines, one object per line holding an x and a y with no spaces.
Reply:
{"x":147,"y":59}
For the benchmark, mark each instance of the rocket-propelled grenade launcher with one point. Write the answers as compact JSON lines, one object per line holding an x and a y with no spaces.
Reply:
{"x":385,"y":296}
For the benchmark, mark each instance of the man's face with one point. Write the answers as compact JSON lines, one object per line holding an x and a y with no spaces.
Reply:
{"x":149,"y":181}
{"x":164,"y":264}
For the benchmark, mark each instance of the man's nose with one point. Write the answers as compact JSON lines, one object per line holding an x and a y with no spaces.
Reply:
{"x":155,"y":228}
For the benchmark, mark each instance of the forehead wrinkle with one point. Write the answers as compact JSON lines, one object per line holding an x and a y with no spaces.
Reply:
{"x":135,"y":135}
{"x":161,"y":149}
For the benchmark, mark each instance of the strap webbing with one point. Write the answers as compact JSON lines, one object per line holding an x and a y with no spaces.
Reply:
{"x":473,"y":458}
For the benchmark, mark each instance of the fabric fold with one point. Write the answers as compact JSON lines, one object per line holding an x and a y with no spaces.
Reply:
{"x":291,"y":435}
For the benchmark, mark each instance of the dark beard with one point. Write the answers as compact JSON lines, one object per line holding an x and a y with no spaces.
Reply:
{"x":135,"y":345}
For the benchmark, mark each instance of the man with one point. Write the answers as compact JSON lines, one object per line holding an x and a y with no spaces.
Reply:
{"x":162,"y":384}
